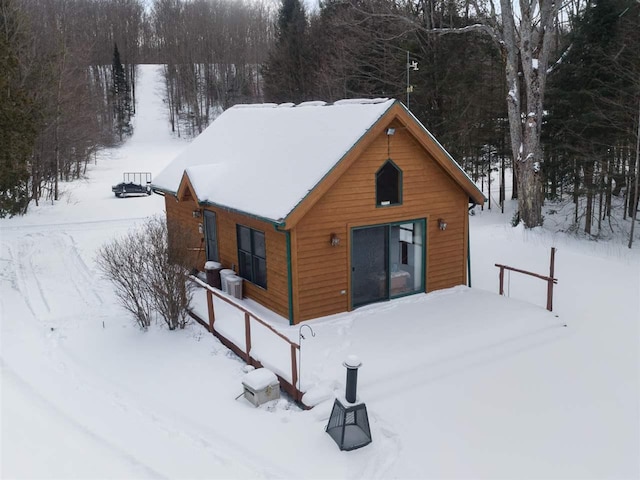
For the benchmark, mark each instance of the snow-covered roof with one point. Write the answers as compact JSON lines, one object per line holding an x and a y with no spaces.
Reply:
{"x":264,"y":159}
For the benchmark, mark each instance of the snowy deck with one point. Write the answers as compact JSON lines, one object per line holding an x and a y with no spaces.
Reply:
{"x":452,"y":329}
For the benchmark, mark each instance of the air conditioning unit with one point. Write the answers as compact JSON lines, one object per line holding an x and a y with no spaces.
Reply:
{"x":234,"y":286}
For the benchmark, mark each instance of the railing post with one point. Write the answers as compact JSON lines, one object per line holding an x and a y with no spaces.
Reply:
{"x":551,"y":279}
{"x":501,"y":279}
{"x":294,"y":370}
{"x":212,"y":314}
{"x":247,"y":336}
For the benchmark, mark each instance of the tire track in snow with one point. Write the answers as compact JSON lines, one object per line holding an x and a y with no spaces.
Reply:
{"x":27,"y":281}
{"x":76,"y":269}
{"x":123,"y":406}
{"x":38,"y":286}
{"x":28,"y":390}
{"x":217,"y":446}
{"x":39,"y":227}
{"x":201,"y":445}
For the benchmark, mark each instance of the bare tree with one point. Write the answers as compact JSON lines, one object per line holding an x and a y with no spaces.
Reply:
{"x":525,"y":38}
{"x":170,"y":258}
{"x":148,"y":268}
{"x":211,"y":51}
{"x":124,"y":262}
{"x":66,"y":70}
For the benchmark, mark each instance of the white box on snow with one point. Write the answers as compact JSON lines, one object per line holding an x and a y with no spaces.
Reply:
{"x":260,"y":386}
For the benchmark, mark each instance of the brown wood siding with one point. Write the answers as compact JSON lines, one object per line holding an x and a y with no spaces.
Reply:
{"x":275,"y":296}
{"x":181,"y":213}
{"x":323,"y":272}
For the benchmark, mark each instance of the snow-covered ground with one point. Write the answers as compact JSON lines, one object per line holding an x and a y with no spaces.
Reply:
{"x":459,"y":383}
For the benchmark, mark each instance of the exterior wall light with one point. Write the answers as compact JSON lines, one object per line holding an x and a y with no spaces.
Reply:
{"x":442,"y":225}
{"x":391,"y":131}
{"x":196,"y":214}
{"x":334,"y":240}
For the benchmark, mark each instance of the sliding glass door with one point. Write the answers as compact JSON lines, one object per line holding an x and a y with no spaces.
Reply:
{"x":369,"y":265}
{"x":387,"y":261}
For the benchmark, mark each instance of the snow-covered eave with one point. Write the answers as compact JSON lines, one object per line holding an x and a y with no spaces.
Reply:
{"x":278,"y":224}
{"x":158,"y":190}
{"x":313,"y":195}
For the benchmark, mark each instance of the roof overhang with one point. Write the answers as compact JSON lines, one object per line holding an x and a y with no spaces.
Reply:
{"x":398,"y":112}
{"x":186,"y":186}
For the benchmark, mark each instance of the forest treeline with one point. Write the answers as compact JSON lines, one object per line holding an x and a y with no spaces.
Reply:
{"x":68,"y":78}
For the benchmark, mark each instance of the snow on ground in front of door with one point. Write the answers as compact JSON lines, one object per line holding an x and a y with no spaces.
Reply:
{"x":459,"y":383}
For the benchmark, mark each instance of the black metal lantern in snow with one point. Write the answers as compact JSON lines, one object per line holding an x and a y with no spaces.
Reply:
{"x":349,"y":424}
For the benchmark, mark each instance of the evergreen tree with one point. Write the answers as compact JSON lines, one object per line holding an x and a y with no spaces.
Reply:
{"x":589,"y":120}
{"x":17,"y":124}
{"x":356,"y":53}
{"x":287,"y":71}
{"x":121,"y":93}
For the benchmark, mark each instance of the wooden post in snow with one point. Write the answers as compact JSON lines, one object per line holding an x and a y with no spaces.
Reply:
{"x":247,"y":336}
{"x":212,"y":314}
{"x":551,"y":280}
{"x":501,"y":279}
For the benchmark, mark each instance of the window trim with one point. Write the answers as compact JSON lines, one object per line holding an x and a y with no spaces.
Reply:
{"x":211,"y":216}
{"x":400,"y":183}
{"x":423,"y":222}
{"x":252,"y":255}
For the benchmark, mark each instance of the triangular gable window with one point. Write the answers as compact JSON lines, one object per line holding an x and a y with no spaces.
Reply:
{"x":388,"y":185}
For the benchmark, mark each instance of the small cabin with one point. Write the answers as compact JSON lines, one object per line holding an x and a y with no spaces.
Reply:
{"x":322,"y":208}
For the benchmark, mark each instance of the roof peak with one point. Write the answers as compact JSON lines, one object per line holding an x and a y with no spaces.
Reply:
{"x":315,"y":103}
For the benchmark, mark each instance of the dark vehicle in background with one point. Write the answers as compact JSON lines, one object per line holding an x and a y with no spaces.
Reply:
{"x":133,"y":183}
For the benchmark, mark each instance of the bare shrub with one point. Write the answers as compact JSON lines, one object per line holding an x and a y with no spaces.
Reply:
{"x":171,"y":260}
{"x":149,"y":269}
{"x":123,"y":261}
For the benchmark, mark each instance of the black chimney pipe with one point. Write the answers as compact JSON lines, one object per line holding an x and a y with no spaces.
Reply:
{"x":352,"y":363}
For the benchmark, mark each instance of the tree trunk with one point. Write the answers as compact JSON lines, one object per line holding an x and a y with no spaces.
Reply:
{"x":609,"y":189}
{"x":588,"y":185}
{"x":527,"y":48}
{"x":636,"y":192}
{"x":576,"y":192}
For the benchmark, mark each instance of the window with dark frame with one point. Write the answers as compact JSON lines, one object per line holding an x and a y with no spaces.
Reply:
{"x":211,"y":236}
{"x":252,"y":255}
{"x":388,"y":184}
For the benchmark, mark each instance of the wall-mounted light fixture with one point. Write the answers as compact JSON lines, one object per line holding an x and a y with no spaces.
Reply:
{"x":196,"y":213}
{"x":442,"y":225}
{"x":334,"y":240}
{"x":391,"y":131}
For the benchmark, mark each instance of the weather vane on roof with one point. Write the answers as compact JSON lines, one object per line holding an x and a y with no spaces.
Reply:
{"x":411,"y":65}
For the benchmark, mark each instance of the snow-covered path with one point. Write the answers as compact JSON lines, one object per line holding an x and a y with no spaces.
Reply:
{"x":60,"y":419}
